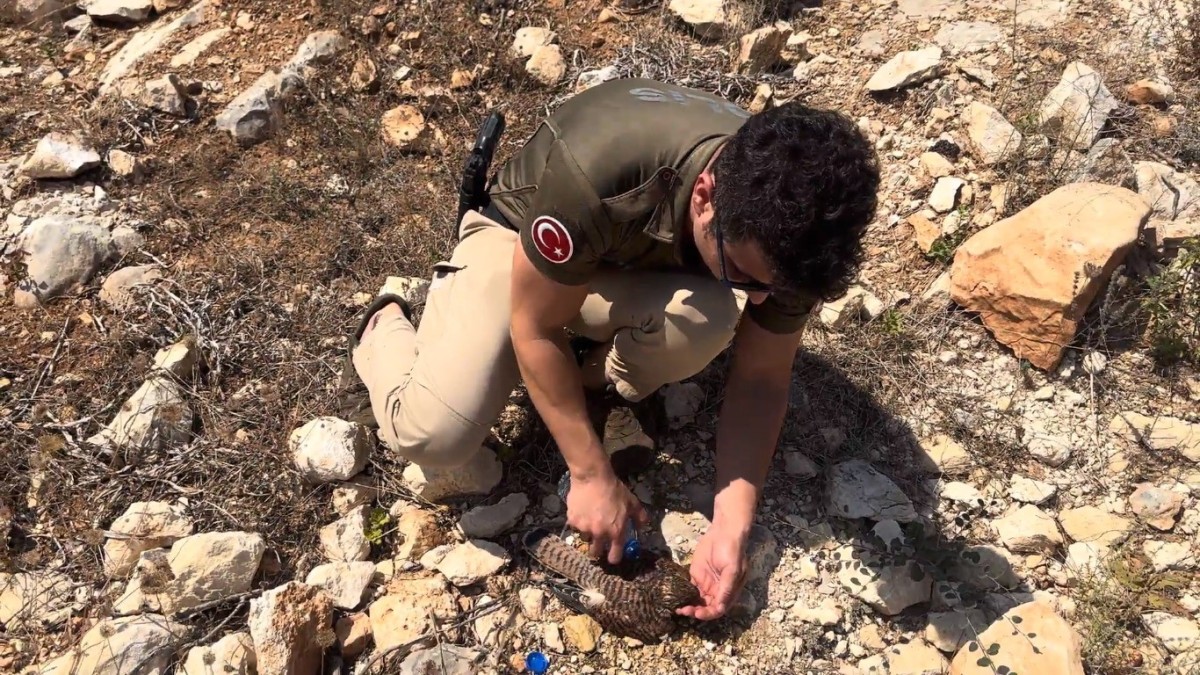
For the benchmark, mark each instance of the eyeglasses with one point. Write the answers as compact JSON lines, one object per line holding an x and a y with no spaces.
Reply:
{"x":749,"y":286}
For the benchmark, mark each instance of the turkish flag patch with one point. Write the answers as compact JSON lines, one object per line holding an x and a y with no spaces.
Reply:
{"x":552,"y":239}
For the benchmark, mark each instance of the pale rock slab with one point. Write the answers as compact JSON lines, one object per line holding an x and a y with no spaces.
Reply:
{"x":945,"y":455}
{"x":547,"y":65}
{"x":60,"y":155}
{"x":444,"y":659}
{"x":682,"y":400}
{"x":196,"y":48}
{"x":353,"y":633}
{"x":123,"y":11}
{"x":1054,"y":647}
{"x":199,"y":569}
{"x":485,"y":522}
{"x":1159,"y":433}
{"x":968,"y":36}
{"x":1170,"y":193}
{"x":409,"y":609}
{"x":826,"y":613}
{"x":179,"y":359}
{"x":906,"y":69}
{"x":135,"y":645}
{"x":887,"y":588}
{"x":992,"y":139}
{"x":146,"y":42}
{"x":1028,"y":529}
{"x":345,"y":539}
{"x":256,"y":114}
{"x":1076,"y":110}
{"x":915,"y":658}
{"x":32,"y":599}
{"x":288,"y":624}
{"x":1091,"y":524}
{"x":345,"y":582}
{"x":1031,"y":276}
{"x":590,"y":78}
{"x":328,"y":449}
{"x":472,"y":561}
{"x":118,"y":292}
{"x":1031,"y":491}
{"x":1178,"y":634}
{"x":231,"y":655}
{"x":1156,"y":506}
{"x":944,"y":197}
{"x":420,"y":533}
{"x":858,"y":490}
{"x":710,"y":19}
{"x":529,"y":39}
{"x":760,"y":49}
{"x":949,"y":631}
{"x":155,"y":417}
{"x":143,"y":526}
{"x":61,"y":253}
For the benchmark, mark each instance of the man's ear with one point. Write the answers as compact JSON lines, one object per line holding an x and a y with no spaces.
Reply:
{"x":702,"y":194}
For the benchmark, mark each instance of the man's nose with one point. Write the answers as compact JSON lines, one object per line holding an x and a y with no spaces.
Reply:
{"x":757,"y":297}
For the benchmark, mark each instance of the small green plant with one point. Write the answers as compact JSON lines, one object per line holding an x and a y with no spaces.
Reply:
{"x":943,"y":247}
{"x":1172,"y":303}
{"x":377,"y":524}
{"x":892,"y":321}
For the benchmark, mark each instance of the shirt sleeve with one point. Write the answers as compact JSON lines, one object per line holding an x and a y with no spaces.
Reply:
{"x":565,"y":232}
{"x":782,"y":313}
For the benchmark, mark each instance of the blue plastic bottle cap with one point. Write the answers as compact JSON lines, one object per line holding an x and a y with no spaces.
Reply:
{"x":537,"y":662}
{"x":633,"y":549}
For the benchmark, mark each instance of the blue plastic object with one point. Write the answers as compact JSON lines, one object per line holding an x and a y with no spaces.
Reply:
{"x":537,"y":662}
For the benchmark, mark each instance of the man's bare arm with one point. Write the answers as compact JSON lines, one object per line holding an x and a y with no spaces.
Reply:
{"x":756,"y":396}
{"x":541,"y":308}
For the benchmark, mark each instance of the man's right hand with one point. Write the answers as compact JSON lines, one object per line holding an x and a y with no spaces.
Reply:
{"x":599,"y":508}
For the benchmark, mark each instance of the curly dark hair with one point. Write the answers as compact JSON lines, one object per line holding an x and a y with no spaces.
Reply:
{"x":801,"y":182}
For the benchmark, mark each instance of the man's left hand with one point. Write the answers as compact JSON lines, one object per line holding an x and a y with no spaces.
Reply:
{"x":719,"y":571}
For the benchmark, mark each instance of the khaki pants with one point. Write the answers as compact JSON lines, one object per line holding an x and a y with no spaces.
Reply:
{"x":437,"y":390}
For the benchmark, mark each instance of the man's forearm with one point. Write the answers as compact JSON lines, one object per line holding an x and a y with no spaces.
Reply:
{"x":555,"y":387}
{"x":747,"y":434}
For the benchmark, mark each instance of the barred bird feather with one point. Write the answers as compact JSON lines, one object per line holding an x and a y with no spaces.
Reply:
{"x":642,"y":608}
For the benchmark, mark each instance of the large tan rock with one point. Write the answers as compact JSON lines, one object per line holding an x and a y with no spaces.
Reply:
{"x":1029,"y":638}
{"x":291,"y":626}
{"x":1032,"y":275}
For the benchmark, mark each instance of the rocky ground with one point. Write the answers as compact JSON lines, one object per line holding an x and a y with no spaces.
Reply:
{"x":989,"y":464}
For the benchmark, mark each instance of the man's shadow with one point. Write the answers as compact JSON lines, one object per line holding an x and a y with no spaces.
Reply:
{"x":851,"y":491}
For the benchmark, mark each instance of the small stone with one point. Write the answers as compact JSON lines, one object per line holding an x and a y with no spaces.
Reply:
{"x":1178,"y":634}
{"x":1090,"y":524}
{"x":858,"y":490}
{"x":410,"y":609}
{"x":759,"y":50}
{"x":925,"y":232}
{"x":345,"y":582}
{"x":365,"y":75}
{"x":126,"y":165}
{"x":1156,"y":506}
{"x":231,"y":655}
{"x":345,"y":539}
{"x":1077,"y":109}
{"x":709,"y":19}
{"x":1028,"y":529}
{"x":179,"y":359}
{"x":797,"y":464}
{"x":826,"y":613}
{"x":530,"y":39}
{"x":288,"y":625}
{"x":473,"y":561}
{"x":533,"y":602}
{"x":478,"y":476}
{"x":126,"y":11}
{"x":353,"y":633}
{"x":915,"y":658}
{"x":944,"y":197}
{"x":454,"y":659}
{"x":198,"y":569}
{"x":935,"y":165}
{"x":945,"y":455}
{"x":1150,"y":92}
{"x":591,"y":78}
{"x":547,"y":65}
{"x":404,"y":127}
{"x":484,"y":522}
{"x":582,"y":631}
{"x":117,"y":289}
{"x":329,"y":449}
{"x":1031,"y":491}
{"x":143,"y":526}
{"x":992,"y":139}
{"x":907,"y":68}
{"x":60,"y":155}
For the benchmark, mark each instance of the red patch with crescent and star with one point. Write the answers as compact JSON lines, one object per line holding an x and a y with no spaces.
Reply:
{"x":552,"y":239}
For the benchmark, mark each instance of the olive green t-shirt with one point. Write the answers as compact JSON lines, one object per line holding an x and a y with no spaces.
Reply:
{"x":605,"y":182}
